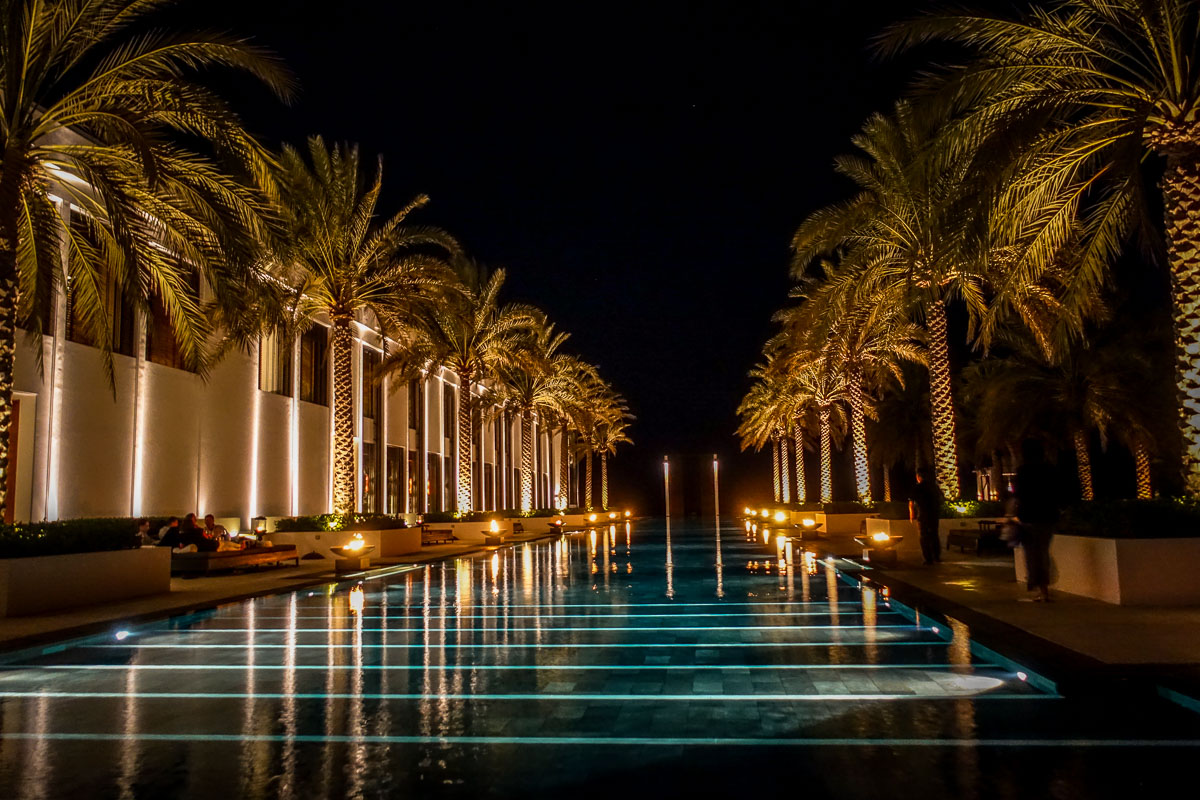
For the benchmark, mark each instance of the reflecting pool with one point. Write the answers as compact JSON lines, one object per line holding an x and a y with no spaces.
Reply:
{"x":632,"y":659}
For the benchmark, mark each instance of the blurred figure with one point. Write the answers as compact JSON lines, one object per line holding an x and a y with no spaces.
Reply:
{"x":1037,"y":511}
{"x":213,"y":530}
{"x":925,"y":508}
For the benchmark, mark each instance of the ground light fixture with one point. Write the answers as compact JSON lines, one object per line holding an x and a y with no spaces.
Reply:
{"x":591,"y":517}
{"x":612,"y":515}
{"x":765,"y":514}
{"x":781,"y":516}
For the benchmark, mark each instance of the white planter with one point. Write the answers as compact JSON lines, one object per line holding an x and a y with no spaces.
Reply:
{"x":52,"y":583}
{"x":837,"y":524}
{"x":1126,"y":571}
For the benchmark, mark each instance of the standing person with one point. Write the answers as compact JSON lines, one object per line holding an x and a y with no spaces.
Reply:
{"x":925,"y":508}
{"x":1037,"y":511}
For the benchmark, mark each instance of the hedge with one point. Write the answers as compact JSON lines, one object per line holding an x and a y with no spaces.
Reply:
{"x":1164,"y":518}
{"x":28,"y":539}
{"x":340,"y":522}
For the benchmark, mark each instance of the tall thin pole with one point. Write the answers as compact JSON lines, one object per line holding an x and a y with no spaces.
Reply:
{"x":716,"y":488}
{"x":667,"y":484}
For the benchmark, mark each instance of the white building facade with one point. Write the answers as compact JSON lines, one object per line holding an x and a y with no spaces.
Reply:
{"x":252,"y":439}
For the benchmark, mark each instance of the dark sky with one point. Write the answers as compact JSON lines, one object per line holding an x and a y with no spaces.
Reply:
{"x":638,"y":169}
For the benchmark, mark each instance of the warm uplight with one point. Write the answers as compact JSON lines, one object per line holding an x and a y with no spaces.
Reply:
{"x":747,"y":512}
{"x":357,"y":543}
{"x":961,"y":508}
{"x":628,"y":514}
{"x":765,"y":514}
{"x":880,"y":537}
{"x":591,"y":517}
{"x":612,"y":515}
{"x":331,"y":525}
{"x":808,"y":522}
{"x":358,"y":599}
{"x":557,"y":522}
{"x":495,"y":527}
{"x":781,"y":516}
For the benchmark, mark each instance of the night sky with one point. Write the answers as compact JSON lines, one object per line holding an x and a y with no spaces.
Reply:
{"x":638,"y":169}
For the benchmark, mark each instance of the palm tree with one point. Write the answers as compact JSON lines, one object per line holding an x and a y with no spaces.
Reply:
{"x":1090,"y":100}
{"x":825,"y":388}
{"x":340,"y":263}
{"x":474,"y":335}
{"x":906,"y":228}
{"x":1026,"y":395}
{"x":863,"y":332}
{"x":94,"y":109}
{"x":533,"y":383}
{"x":611,"y":431}
{"x":764,"y":411}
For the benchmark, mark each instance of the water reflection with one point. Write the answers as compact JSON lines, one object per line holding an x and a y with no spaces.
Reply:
{"x":670,"y":564}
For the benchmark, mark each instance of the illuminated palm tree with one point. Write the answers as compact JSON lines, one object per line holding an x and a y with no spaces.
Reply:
{"x":764,"y":411}
{"x":533,"y":384}
{"x":94,"y":111}
{"x":471,"y":333}
{"x":819,"y":384}
{"x":612,"y":431}
{"x":862,"y":331}
{"x":1090,"y":100}
{"x":906,"y":228}
{"x":340,"y":263}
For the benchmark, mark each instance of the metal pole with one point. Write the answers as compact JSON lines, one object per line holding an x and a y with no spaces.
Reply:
{"x":716,"y":488}
{"x":667,"y":483}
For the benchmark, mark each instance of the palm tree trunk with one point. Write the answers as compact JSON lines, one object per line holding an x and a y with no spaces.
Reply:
{"x":1141,"y":457}
{"x":603,"y":481}
{"x":826,"y":459}
{"x":587,"y":482}
{"x":945,"y":450}
{"x":887,"y":484}
{"x":1181,"y":196}
{"x":1084,"y":465}
{"x":343,"y":417}
{"x":785,"y":473}
{"x":775,"y":464}
{"x":465,"y":435}
{"x":8,"y":349}
{"x":798,"y":446}
{"x":564,"y":477}
{"x":858,"y":429}
{"x":526,"y":461}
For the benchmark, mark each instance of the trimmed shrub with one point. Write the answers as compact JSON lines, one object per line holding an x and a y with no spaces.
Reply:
{"x":28,"y":539}
{"x":959,"y":509}
{"x":1165,"y":518}
{"x":340,"y":522}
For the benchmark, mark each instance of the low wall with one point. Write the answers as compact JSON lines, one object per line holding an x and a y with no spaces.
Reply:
{"x":836,"y":524}
{"x":1125,"y":571}
{"x":395,"y":542}
{"x":52,"y":583}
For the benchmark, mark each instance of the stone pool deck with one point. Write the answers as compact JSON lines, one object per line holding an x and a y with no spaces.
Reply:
{"x":197,"y":594}
{"x":1071,"y":639}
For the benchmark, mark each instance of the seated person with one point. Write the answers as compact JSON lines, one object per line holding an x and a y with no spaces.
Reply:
{"x":168,"y":535}
{"x":191,"y":533}
{"x":144,"y":536}
{"x":213,"y":530}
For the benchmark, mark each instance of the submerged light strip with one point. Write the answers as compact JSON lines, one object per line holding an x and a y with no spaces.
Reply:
{"x":583,"y":697}
{"x":632,"y":741}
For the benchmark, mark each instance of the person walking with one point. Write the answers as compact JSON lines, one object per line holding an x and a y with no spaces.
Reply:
{"x":925,"y":508}
{"x":1037,"y":511}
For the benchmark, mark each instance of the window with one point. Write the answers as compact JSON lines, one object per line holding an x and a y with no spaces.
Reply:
{"x":449,"y":418}
{"x":411,"y":497}
{"x":371,"y":388}
{"x":414,"y":402}
{"x":314,"y":365}
{"x":395,"y":480}
{"x":275,"y":364}
{"x":117,"y":309}
{"x":161,"y":345}
{"x":489,"y":487}
{"x":433,"y":484}
{"x":370,"y":471}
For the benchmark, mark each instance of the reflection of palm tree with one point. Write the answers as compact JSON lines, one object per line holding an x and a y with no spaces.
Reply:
{"x":473,"y":335}
{"x":905,"y":228}
{"x":1082,"y":95}
{"x":89,"y":94}
{"x":339,"y":264}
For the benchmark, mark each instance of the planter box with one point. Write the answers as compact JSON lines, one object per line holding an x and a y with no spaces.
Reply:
{"x":1124,"y":571}
{"x":389,"y":543}
{"x":836,"y":524}
{"x":52,"y":583}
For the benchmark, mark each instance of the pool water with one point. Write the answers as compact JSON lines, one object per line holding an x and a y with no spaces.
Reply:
{"x":636,"y":659}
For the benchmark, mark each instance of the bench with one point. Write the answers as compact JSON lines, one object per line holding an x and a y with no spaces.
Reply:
{"x":437,"y":535}
{"x":985,"y":536}
{"x":215,"y":561}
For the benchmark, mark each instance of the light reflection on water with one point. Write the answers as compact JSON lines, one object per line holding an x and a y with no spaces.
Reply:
{"x":319,"y":679}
